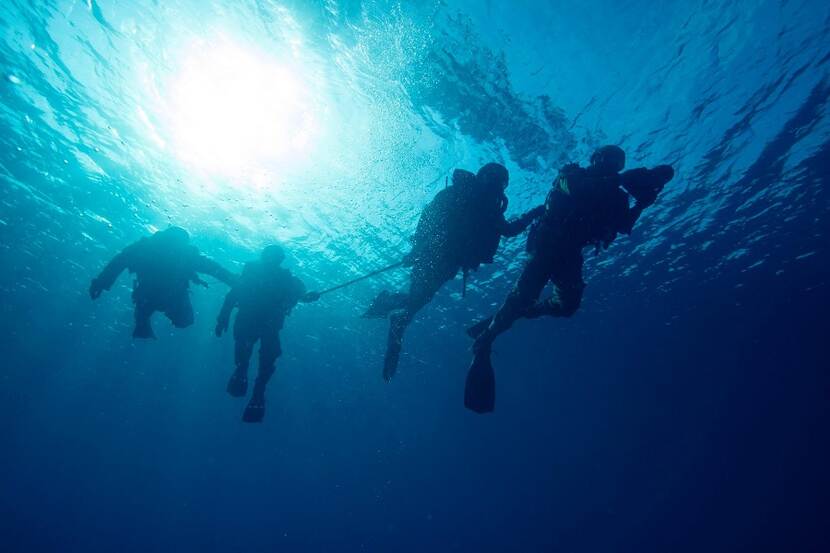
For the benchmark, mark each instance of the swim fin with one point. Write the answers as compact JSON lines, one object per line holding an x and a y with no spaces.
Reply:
{"x":480,"y":389}
{"x":477,"y":329}
{"x":385,"y":303}
{"x":237,"y":385}
{"x":394,"y":343}
{"x":255,"y":410}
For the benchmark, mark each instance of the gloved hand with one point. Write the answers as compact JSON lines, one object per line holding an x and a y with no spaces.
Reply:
{"x":647,"y":197}
{"x":310,"y":297}
{"x":661,"y":175}
{"x":221,"y":327}
{"x":95,"y":289}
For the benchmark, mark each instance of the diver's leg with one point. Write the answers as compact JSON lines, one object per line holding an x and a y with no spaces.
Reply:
{"x":242,"y":350}
{"x":180,"y":310}
{"x":568,"y":289}
{"x":479,"y":327}
{"x":424,"y":283}
{"x":269,"y":351}
{"x":143,"y":312}
{"x":532,"y":281}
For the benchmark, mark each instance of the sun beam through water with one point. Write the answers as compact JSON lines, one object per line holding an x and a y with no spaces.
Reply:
{"x":235,"y":110}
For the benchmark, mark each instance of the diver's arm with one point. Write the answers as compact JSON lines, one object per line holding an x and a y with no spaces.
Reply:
{"x":207,"y":266}
{"x":519,"y":224}
{"x":310,"y":297}
{"x":297,"y":294}
{"x":112,"y":271}
{"x":224,"y":318}
{"x":304,"y":296}
{"x":631,"y":217}
{"x":644,"y":185}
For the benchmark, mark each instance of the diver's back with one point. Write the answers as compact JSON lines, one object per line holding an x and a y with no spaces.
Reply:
{"x":582,"y":208}
{"x":266,"y":295}
{"x":161,"y":268}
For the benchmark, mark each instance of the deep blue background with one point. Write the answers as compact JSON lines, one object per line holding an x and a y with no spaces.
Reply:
{"x":684,"y":408}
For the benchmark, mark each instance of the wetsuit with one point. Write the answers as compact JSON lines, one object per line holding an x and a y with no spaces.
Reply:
{"x":460,"y":229}
{"x":163,"y":273}
{"x":264,"y":296}
{"x":583,"y":208}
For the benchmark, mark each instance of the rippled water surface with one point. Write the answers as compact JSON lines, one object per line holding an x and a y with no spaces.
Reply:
{"x":683,"y":409}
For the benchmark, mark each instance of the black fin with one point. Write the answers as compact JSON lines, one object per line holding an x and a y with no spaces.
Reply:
{"x":385,"y":303}
{"x":255,"y":411}
{"x":237,"y":385}
{"x":480,"y":390}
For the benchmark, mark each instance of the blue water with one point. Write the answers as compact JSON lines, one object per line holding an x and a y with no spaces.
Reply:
{"x":684,"y":408}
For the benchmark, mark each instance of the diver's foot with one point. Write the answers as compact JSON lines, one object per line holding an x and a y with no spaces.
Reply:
{"x":477,"y":329}
{"x":383,"y":304}
{"x":255,"y":411}
{"x":144,"y":332}
{"x":237,"y":385}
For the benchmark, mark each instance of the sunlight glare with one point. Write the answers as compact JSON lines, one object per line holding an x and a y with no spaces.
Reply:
{"x":234,"y":110}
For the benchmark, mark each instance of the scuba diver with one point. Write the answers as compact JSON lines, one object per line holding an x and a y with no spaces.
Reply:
{"x":265,"y":294}
{"x":458,"y":230}
{"x":585,"y":207}
{"x":164,"y":265}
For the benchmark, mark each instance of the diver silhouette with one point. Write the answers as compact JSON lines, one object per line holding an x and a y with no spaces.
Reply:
{"x":458,"y":230}
{"x":164,"y":265}
{"x":585,"y":207}
{"x":264,"y":295}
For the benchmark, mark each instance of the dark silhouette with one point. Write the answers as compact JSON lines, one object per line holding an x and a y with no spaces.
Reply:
{"x":586,"y":207}
{"x":164,"y":265}
{"x":458,"y":230}
{"x":265,"y":294}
